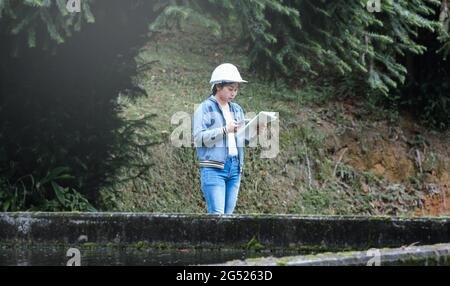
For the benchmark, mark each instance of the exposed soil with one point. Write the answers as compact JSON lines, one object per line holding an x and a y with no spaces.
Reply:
{"x":398,"y":153}
{"x":435,"y":205}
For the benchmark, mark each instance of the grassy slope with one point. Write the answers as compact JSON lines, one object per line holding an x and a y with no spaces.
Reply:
{"x":345,"y":152}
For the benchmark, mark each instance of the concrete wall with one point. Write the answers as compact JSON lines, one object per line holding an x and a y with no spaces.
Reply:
{"x":331,"y":233}
{"x":428,"y":255}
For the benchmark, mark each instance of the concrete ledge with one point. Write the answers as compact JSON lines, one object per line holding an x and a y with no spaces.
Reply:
{"x":438,"y":254}
{"x":266,"y":231}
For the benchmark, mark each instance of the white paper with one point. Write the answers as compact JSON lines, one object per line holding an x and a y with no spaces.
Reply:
{"x":251,"y":128}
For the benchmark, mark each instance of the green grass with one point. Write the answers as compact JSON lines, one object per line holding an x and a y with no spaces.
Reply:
{"x":177,"y":78}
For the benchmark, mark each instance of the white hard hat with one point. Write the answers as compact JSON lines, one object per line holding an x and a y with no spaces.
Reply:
{"x":225,"y":73}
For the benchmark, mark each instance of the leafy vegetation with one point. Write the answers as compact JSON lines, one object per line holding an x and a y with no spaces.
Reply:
{"x":86,"y":100}
{"x":314,"y":129}
{"x":322,"y":39}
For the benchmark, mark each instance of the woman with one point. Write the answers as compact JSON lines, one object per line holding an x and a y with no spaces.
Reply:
{"x":220,"y":152}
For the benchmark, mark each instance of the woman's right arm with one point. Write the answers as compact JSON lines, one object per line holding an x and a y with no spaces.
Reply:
{"x":203,"y":136}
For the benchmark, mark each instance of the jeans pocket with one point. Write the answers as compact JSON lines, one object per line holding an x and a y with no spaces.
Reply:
{"x":203,"y":175}
{"x":207,"y":173}
{"x":209,"y":179}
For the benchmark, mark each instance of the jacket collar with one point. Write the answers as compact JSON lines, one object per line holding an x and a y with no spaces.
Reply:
{"x":213,"y":99}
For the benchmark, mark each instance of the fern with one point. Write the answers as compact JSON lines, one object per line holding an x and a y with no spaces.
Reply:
{"x":30,"y":16}
{"x":309,"y":35}
{"x":178,"y":15}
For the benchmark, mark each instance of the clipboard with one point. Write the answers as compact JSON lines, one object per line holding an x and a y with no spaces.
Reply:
{"x":251,"y":127}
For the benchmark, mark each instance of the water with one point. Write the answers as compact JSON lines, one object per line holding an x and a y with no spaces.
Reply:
{"x":104,"y":256}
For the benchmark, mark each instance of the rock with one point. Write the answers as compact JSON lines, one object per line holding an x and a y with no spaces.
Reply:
{"x":379,"y":170}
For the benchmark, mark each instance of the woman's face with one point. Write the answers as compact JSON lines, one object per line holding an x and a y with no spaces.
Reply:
{"x":228,"y":92}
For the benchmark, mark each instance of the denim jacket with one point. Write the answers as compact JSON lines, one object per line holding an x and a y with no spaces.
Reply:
{"x":209,"y":134}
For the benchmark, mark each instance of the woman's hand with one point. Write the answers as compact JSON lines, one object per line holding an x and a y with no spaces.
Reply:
{"x":233,"y":127}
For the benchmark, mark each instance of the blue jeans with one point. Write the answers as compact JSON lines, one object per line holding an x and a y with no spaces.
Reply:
{"x":221,"y":187}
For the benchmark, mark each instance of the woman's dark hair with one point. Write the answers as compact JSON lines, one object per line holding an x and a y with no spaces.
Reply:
{"x":220,"y":85}
{"x":214,"y":91}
